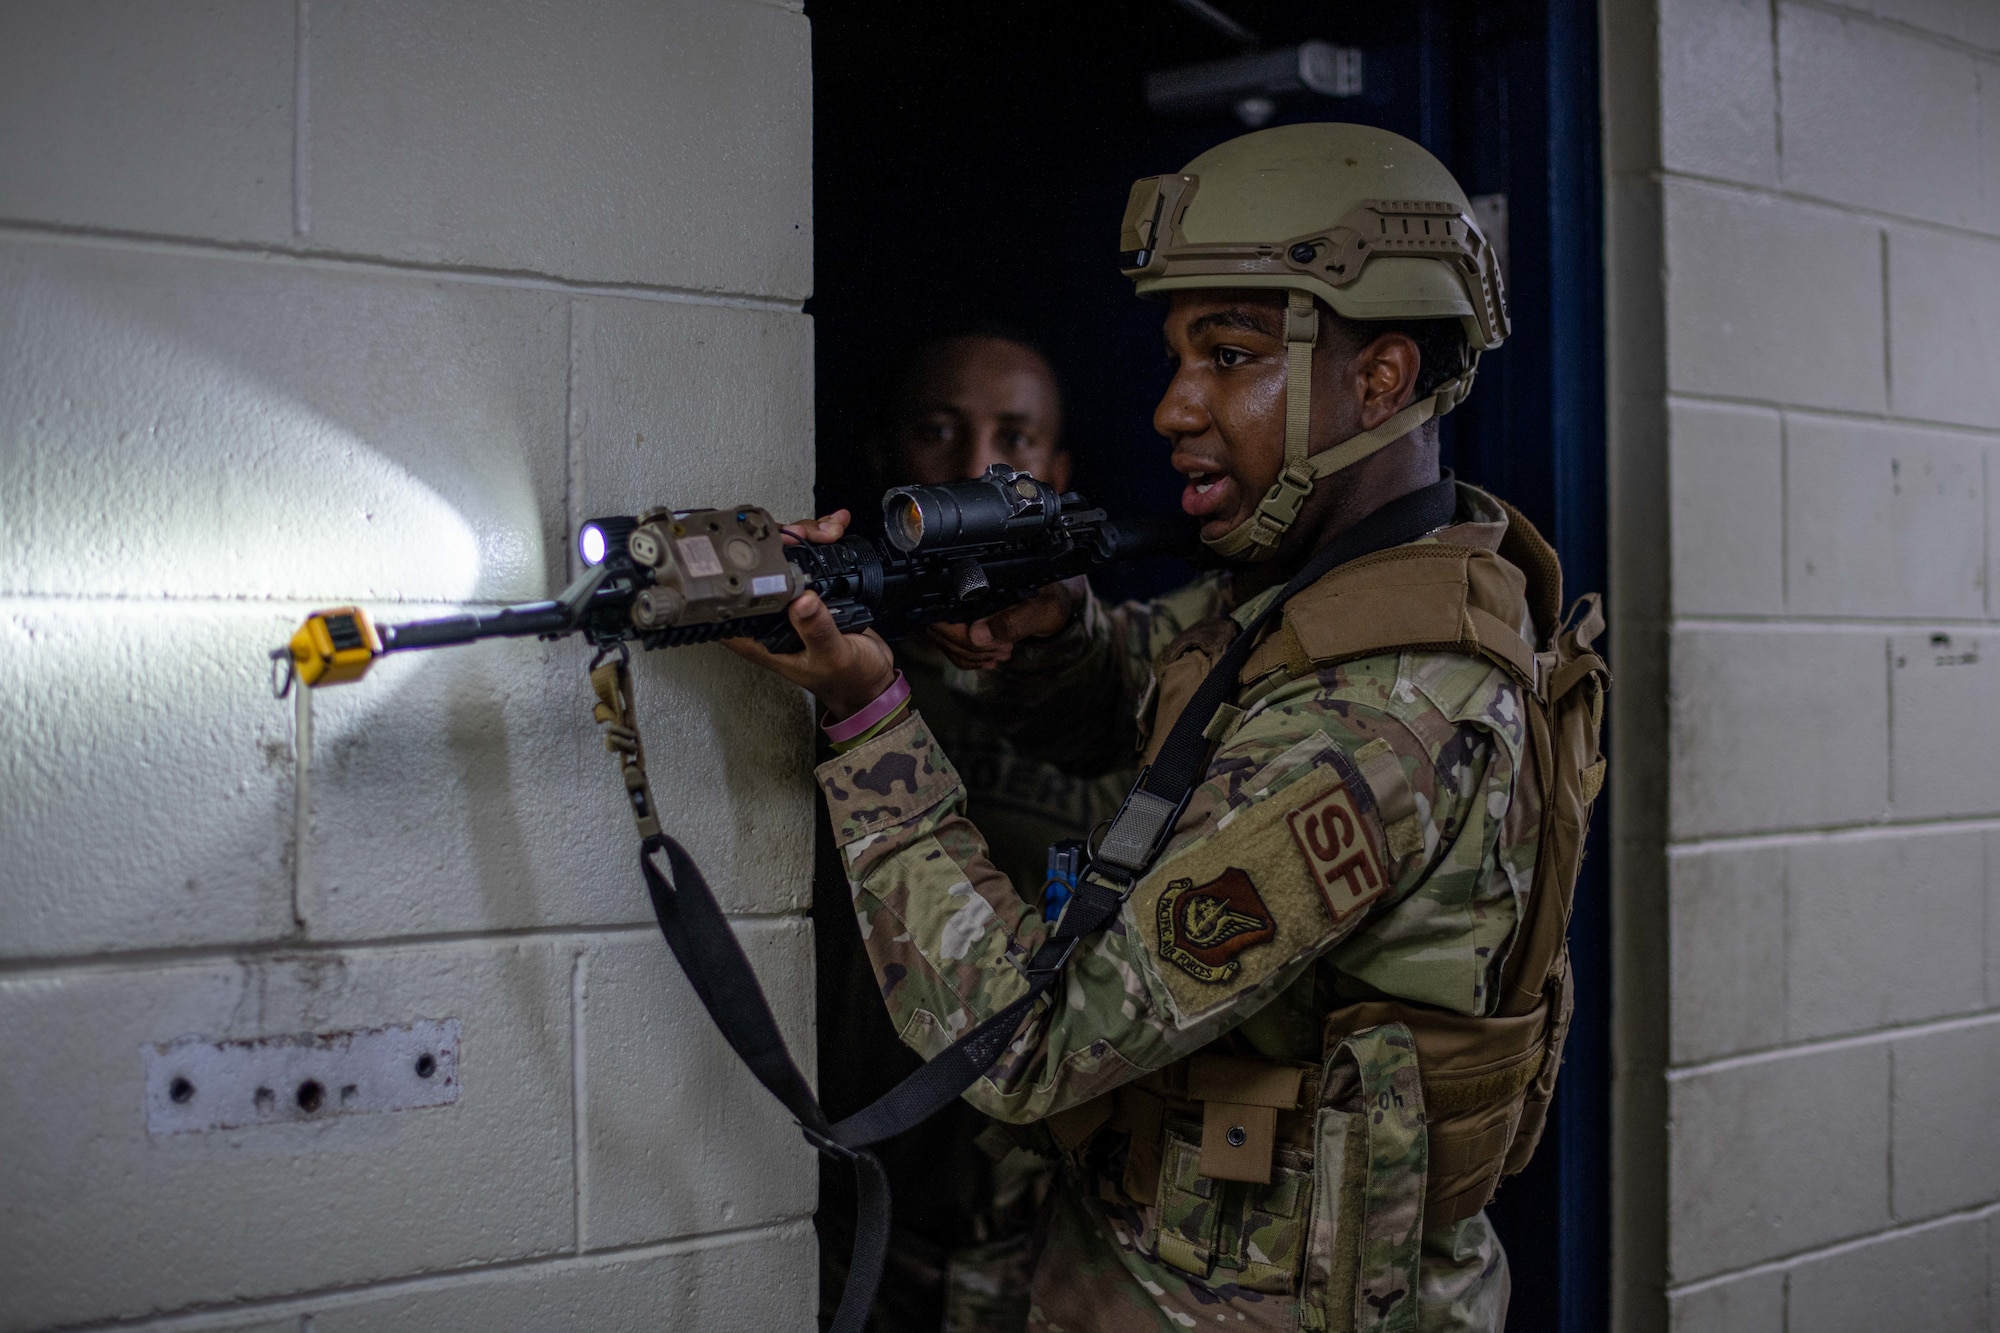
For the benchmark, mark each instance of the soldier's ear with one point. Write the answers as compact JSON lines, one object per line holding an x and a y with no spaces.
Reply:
{"x":1391,"y":364}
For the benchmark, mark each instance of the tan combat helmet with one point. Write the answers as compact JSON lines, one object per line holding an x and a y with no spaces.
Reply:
{"x":1357,"y":217}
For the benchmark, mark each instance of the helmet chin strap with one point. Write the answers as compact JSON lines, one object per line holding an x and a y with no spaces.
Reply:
{"x":1256,"y":538}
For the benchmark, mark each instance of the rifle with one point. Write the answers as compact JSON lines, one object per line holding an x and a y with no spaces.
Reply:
{"x":668,"y":578}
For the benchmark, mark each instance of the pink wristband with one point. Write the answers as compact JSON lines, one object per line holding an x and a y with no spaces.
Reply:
{"x":887,"y":702}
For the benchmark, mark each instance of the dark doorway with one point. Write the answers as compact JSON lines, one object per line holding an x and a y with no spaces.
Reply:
{"x":971,"y":166}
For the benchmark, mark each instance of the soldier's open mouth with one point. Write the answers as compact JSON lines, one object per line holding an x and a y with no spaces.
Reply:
{"x":1207,"y":494}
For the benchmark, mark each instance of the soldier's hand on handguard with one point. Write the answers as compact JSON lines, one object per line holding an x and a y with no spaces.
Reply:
{"x":987,"y":643}
{"x":845,"y":672}
{"x":821,"y":531}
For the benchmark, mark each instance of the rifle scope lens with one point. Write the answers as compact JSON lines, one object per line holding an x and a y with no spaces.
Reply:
{"x":995,"y":506}
{"x":905,"y":522}
{"x":590,"y":544}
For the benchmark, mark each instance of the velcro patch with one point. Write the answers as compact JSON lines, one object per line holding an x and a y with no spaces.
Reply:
{"x":1342,"y":852}
{"x":1229,"y":912}
{"x":1203,"y":927}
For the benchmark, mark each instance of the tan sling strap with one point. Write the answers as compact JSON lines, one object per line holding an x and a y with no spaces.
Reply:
{"x":611,"y":682}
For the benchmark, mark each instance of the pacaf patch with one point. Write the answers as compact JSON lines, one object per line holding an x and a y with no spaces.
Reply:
{"x":1341,"y":851}
{"x":1202,"y":929}
{"x":1232,"y":909}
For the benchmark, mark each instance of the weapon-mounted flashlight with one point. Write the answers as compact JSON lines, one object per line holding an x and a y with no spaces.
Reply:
{"x":604,"y":539}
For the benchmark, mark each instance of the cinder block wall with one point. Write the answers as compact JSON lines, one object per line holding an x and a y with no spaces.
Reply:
{"x":314,"y":301}
{"x":1805,"y":325}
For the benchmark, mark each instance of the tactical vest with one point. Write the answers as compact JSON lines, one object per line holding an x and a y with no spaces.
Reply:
{"x":1487,"y":1082}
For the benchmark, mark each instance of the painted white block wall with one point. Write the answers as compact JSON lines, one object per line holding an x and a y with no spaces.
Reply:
{"x":311,"y":301}
{"x":1804,"y":265}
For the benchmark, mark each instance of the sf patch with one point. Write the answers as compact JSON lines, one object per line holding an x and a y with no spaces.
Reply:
{"x":1202,"y":929}
{"x":1341,"y":852}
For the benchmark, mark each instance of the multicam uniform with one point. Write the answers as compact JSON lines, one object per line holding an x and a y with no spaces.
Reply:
{"x":1366,"y":831}
{"x":1023,"y":803}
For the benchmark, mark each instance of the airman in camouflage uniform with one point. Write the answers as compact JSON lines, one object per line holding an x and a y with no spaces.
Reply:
{"x":1365,"y":831}
{"x":958,"y":404}
{"x":961,"y":403}
{"x":946,"y":933}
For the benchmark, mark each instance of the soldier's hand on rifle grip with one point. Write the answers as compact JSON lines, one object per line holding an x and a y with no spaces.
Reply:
{"x":845,"y":672}
{"x":824,"y":531}
{"x":987,"y":643}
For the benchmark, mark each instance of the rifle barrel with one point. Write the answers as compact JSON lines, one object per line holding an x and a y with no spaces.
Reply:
{"x":508,"y":621}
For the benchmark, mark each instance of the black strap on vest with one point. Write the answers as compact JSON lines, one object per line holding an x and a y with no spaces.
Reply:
{"x":706,"y":948}
{"x":1156,"y":800}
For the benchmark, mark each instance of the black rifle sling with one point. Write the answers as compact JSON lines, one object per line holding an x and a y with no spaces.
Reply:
{"x":698,"y":932}
{"x":708,"y":952}
{"x":1146,"y":819}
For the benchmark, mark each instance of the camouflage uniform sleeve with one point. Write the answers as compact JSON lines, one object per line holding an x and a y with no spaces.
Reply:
{"x":1284,"y":852}
{"x":1073,"y":699}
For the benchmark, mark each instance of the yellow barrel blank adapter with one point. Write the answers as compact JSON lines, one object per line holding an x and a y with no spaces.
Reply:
{"x":334,"y":646}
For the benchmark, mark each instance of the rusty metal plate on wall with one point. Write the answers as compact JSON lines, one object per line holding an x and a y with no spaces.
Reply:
{"x":199,"y":1083}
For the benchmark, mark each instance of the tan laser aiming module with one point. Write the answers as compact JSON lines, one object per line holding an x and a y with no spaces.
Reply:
{"x":710,"y":565}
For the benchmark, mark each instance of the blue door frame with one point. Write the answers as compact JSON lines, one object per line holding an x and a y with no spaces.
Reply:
{"x":1523,"y":80}
{"x":1505,"y":92}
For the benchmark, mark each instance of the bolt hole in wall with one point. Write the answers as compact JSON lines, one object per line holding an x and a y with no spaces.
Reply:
{"x":971,"y":165}
{"x":200,"y":1084}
